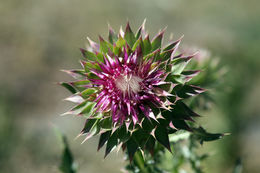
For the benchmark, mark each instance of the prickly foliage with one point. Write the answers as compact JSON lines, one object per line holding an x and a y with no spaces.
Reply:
{"x":131,"y":91}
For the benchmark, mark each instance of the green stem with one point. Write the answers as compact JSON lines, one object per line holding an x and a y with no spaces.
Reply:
{"x":140,"y":163}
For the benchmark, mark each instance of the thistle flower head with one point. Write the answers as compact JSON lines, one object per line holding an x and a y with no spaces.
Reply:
{"x":129,"y":86}
{"x":130,"y":90}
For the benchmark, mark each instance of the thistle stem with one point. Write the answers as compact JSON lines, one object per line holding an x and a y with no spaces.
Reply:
{"x":140,"y":163}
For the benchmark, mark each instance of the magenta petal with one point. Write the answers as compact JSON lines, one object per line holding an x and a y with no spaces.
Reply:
{"x":105,"y":68}
{"x":134,"y":114}
{"x":134,"y":59}
{"x":114,"y":107}
{"x":100,"y":103}
{"x":105,"y":104}
{"x":147,"y":111}
{"x":118,"y":63}
{"x":111,"y":61}
{"x":97,"y":73}
{"x":128,"y":107}
{"x":97,"y":81}
{"x":107,"y":62}
{"x":156,"y":74}
{"x":135,"y":119}
{"x":101,"y":94}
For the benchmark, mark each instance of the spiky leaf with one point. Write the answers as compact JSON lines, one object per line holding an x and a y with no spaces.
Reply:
{"x":161,"y":135}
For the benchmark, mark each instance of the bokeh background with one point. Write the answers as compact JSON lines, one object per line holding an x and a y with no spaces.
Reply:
{"x":38,"y":38}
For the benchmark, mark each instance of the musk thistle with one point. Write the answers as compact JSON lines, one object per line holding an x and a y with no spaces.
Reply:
{"x":131,"y":90}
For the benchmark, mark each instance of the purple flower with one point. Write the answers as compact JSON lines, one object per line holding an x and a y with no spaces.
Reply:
{"x":129,"y":86}
{"x":130,"y":90}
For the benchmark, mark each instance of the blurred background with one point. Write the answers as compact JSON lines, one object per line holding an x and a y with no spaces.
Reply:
{"x":38,"y":38}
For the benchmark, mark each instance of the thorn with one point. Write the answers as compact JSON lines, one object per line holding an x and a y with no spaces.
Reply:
{"x":143,"y":24}
{"x":93,"y":44}
{"x":82,"y":51}
{"x":121,"y":32}
{"x":66,"y":113}
{"x":81,"y":134}
{"x":108,"y":25}
{"x":87,"y":137}
{"x":100,"y":38}
{"x":128,"y":28}
{"x":152,"y":133}
{"x":172,"y":126}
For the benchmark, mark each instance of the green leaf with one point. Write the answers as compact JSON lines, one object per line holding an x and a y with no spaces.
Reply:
{"x":87,"y":92}
{"x":181,"y":124}
{"x":147,"y":125}
{"x":140,"y":30}
{"x":88,"y":109}
{"x":103,"y":139}
{"x":129,"y":35}
{"x":150,"y":144}
{"x":138,"y":33}
{"x":191,"y":73}
{"x":67,"y":164}
{"x":106,"y":123}
{"x":155,"y":54}
{"x":97,"y":115}
{"x":139,"y":42}
{"x":201,"y":135}
{"x":112,"y":37}
{"x":94,"y":130}
{"x":68,"y":87}
{"x":167,"y":86}
{"x":174,"y":44}
{"x":178,"y":65}
{"x":89,"y":65}
{"x":186,"y":91}
{"x":80,"y":83}
{"x":161,"y":135}
{"x":92,"y":76}
{"x":140,"y":137}
{"x":147,"y":46}
{"x":132,"y":147}
{"x":157,"y":41}
{"x":104,"y":46}
{"x":89,"y":124}
{"x":180,"y":112}
{"x":100,"y":56}
{"x":123,"y":134}
{"x":181,"y":79}
{"x":120,"y":42}
{"x":165,"y":55}
{"x":88,"y":55}
{"x":111,"y":143}
{"x":185,"y":109}
{"x":77,"y":109}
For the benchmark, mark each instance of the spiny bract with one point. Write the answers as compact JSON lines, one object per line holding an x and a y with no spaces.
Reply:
{"x":130,"y":90}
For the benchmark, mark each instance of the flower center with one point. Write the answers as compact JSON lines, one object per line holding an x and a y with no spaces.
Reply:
{"x":128,"y":83}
